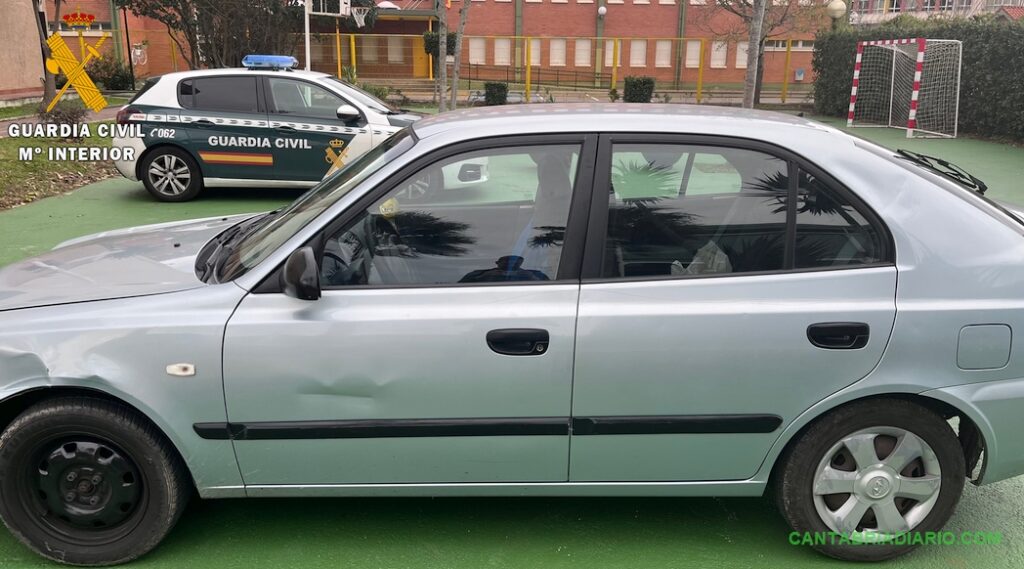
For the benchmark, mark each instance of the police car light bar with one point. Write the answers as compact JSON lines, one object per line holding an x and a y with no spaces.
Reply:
{"x":269,"y":62}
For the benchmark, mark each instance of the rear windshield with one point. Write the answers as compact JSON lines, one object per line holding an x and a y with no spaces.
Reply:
{"x":1008,"y":217}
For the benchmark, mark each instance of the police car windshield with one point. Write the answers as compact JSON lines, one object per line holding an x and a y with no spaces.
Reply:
{"x":257,"y":245}
{"x":362,"y":96}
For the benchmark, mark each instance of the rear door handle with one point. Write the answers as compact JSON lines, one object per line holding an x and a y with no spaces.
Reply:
{"x":839,"y":335}
{"x":518,"y":341}
{"x":286,"y":129}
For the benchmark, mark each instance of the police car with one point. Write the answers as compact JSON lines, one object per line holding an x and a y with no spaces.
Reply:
{"x":262,"y":125}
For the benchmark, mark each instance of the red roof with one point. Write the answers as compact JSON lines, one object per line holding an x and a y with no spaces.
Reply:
{"x":1014,"y":12}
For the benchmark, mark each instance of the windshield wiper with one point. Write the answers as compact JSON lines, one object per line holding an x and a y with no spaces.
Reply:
{"x":945,"y":168}
{"x":226,"y":241}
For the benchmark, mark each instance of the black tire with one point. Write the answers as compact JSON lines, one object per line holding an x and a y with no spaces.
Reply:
{"x":795,"y":475}
{"x":168,"y":190}
{"x":129,"y":485}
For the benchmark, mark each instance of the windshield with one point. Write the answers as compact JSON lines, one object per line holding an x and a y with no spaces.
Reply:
{"x":362,"y":96}
{"x":256,"y":245}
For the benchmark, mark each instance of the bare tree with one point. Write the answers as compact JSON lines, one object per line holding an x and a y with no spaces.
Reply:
{"x":442,"y":54}
{"x":755,"y":21}
{"x":463,"y":16}
{"x":49,"y":79}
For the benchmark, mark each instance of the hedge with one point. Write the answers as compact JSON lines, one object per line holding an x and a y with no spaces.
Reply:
{"x":432,"y":44}
{"x":638,"y":89}
{"x":495,"y":93}
{"x":992,"y":71}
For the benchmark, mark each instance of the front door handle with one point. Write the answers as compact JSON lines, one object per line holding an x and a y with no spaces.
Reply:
{"x":518,"y":341}
{"x":204,"y":123}
{"x":839,"y":335}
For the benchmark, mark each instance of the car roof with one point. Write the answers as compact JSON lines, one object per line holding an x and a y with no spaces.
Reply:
{"x":178,"y":75}
{"x":623,"y":117}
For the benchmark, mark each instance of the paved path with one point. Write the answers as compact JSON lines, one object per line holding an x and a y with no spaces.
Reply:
{"x":106,"y":114}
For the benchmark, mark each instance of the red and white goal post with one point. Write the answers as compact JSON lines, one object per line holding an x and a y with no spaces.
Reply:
{"x":913,"y":84}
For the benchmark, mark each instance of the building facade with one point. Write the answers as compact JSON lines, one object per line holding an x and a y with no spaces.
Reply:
{"x":866,"y":12}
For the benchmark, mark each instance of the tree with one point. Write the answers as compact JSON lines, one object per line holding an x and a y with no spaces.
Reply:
{"x":463,"y":16}
{"x":442,"y":54}
{"x":218,"y":33}
{"x":49,"y":79}
{"x":756,"y":21}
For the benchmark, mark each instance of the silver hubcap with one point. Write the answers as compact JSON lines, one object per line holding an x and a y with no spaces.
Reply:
{"x":169,"y":174}
{"x":877,"y":483}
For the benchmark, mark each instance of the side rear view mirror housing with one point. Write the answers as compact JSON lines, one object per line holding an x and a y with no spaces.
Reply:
{"x":300,"y":277}
{"x":348,"y":113}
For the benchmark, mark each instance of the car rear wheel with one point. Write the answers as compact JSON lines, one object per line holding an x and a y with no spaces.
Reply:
{"x":88,"y":482}
{"x":875,"y":473}
{"x":171,"y":175}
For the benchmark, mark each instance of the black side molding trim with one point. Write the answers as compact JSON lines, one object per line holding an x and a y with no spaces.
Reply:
{"x":489,"y":427}
{"x":675,"y":424}
{"x":385,"y":428}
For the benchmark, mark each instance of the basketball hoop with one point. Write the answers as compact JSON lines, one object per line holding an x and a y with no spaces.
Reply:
{"x":359,"y":14}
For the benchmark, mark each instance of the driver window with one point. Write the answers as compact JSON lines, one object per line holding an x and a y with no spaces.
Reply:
{"x":301,"y":99}
{"x":496,"y":215}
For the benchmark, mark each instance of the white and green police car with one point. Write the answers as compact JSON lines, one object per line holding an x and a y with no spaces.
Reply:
{"x":262,"y":125}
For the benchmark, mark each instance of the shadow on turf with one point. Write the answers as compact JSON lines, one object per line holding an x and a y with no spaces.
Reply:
{"x":229,"y":194}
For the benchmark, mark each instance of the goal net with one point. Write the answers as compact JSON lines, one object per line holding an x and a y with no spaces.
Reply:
{"x":913,"y":84}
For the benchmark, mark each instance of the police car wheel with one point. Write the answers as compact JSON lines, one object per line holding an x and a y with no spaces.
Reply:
{"x":171,"y":175}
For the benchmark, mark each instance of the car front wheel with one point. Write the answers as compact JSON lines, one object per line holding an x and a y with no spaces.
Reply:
{"x":88,"y":482}
{"x":171,"y":175}
{"x":862,"y":482}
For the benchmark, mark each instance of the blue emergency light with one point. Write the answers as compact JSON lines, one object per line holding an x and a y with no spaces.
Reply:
{"x":269,"y":62}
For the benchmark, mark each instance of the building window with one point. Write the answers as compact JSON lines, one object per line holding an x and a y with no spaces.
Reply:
{"x":638,"y":53}
{"x":742,"y":50}
{"x":698,"y":2}
{"x":719,"y":52}
{"x":534,"y":52}
{"x":616,"y":1}
{"x":556,"y":53}
{"x":693,"y":53}
{"x":502,"y":51}
{"x":582,"y":58}
{"x":396,"y":49}
{"x":641,"y":1}
{"x":477,"y":51}
{"x":667,"y":2}
{"x":609,"y":51}
{"x":663,"y":53}
{"x":369,"y":49}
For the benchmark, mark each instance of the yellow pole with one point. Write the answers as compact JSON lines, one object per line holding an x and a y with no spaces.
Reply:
{"x":785,"y":71}
{"x":700,"y":72}
{"x":352,"y":52}
{"x":430,"y":57}
{"x":529,"y":67}
{"x":174,"y":53}
{"x":615,"y":63}
{"x":337,"y":46}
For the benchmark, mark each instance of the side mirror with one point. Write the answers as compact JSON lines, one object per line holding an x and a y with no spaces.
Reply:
{"x":470,"y":173}
{"x":300,"y":277}
{"x":348,"y":112}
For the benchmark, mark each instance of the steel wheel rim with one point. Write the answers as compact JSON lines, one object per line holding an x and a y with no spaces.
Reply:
{"x":83,"y":489}
{"x":169,"y":174}
{"x":877,"y":483}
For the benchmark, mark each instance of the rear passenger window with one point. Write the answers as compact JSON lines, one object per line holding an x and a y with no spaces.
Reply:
{"x":685,"y":210}
{"x":829,"y":231}
{"x":694,"y":210}
{"x":231,"y":94}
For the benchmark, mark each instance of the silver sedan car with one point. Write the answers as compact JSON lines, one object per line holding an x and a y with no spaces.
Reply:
{"x":634,"y":300}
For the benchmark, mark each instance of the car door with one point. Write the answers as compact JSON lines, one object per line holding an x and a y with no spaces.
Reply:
{"x":227,"y":127}
{"x":310,"y":139}
{"x":441,"y":348}
{"x":728,"y":286}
